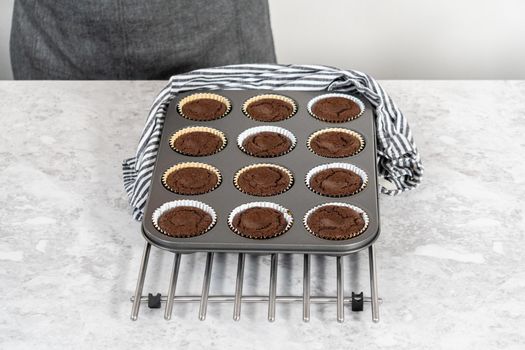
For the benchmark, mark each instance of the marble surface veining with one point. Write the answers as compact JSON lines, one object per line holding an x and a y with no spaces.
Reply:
{"x":450,"y":257}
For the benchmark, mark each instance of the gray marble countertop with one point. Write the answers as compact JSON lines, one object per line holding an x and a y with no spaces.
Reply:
{"x":450,"y":257}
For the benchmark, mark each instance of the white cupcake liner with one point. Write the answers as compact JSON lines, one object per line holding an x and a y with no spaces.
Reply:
{"x":343,"y":130}
{"x":362,"y":174}
{"x":190,"y":165}
{"x":191,"y":129}
{"x":183,"y":203}
{"x":364,"y":215}
{"x":286,"y":213}
{"x":272,"y":96}
{"x":204,"y":95}
{"x":258,"y":129}
{"x":322,"y":97}
{"x":259,"y":165}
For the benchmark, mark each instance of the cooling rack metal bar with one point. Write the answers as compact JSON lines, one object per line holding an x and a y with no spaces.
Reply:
{"x":255,"y":299}
{"x":273,"y":289}
{"x":172,"y":286}
{"x":206,"y":287}
{"x":271,"y":299}
{"x":306,"y":288}
{"x":340,"y":290}
{"x":238,"y":288}
{"x":373,"y":283}
{"x":140,"y":281}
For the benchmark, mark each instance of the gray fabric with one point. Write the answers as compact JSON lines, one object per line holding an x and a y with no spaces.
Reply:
{"x":135,"y":39}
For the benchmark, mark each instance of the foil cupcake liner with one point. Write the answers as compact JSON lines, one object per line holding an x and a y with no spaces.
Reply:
{"x":183,"y":203}
{"x":179,"y":166}
{"x":364,"y":215}
{"x":258,"y":129}
{"x":286,"y":213}
{"x":322,"y":97}
{"x":204,"y":95}
{"x":346,"y":131}
{"x":362,"y":174}
{"x":191,"y":129}
{"x":259,"y":165}
{"x":272,"y":96}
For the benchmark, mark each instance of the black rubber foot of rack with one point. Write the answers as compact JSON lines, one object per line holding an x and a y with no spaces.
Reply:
{"x":357,"y":301}
{"x":154,"y":301}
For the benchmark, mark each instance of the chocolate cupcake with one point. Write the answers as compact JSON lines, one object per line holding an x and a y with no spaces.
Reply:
{"x":266,"y":141}
{"x":204,"y":107}
{"x":336,"y":180}
{"x":336,"y":221}
{"x":260,"y":220}
{"x":335,"y":108}
{"x":269,"y":108}
{"x":198,"y":141}
{"x":335,"y":143}
{"x":263,"y":180}
{"x":191,"y":178}
{"x":184,"y":218}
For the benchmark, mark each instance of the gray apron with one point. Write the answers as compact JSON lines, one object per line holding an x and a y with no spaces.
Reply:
{"x":135,"y":39}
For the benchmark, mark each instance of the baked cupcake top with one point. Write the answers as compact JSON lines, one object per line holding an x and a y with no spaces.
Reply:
{"x":197,"y":143}
{"x":191,"y":180}
{"x":267,"y":144}
{"x":335,"y":222}
{"x":204,"y":109}
{"x":335,"y":144}
{"x":259,"y":222}
{"x":269,"y":109}
{"x":336,"y":182}
{"x":263,"y":180}
{"x":336,"y":109}
{"x":184,"y":221}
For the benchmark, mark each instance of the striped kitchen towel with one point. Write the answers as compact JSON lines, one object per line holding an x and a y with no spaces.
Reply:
{"x":398,"y":160}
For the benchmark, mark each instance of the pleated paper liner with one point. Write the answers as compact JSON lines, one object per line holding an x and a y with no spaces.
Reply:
{"x":189,"y":130}
{"x":243,"y":136}
{"x":313,"y":101}
{"x":200,"y":96}
{"x":286,"y":213}
{"x":350,"y":235}
{"x":180,"y":166}
{"x":260,"y":165}
{"x":183,"y":203}
{"x":361,"y":173}
{"x":342,"y":130}
{"x":285,"y":99}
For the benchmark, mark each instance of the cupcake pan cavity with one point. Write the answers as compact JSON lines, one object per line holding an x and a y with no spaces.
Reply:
{"x":336,"y":130}
{"x":363,"y":214}
{"x":346,"y":166}
{"x":238,"y":210}
{"x":191,"y":129}
{"x":259,"y":165}
{"x":246,"y":134}
{"x":187,"y":165}
{"x":298,"y":199}
{"x":204,"y":96}
{"x":319,"y":98}
{"x":183,"y":203}
{"x":287,"y":100}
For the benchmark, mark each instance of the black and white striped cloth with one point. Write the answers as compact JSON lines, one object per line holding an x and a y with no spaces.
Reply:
{"x":397,"y":156}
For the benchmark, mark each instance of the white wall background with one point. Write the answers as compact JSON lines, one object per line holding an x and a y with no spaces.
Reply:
{"x":390,"y":39}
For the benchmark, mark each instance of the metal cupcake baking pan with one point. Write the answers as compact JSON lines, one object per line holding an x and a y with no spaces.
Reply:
{"x":298,"y":199}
